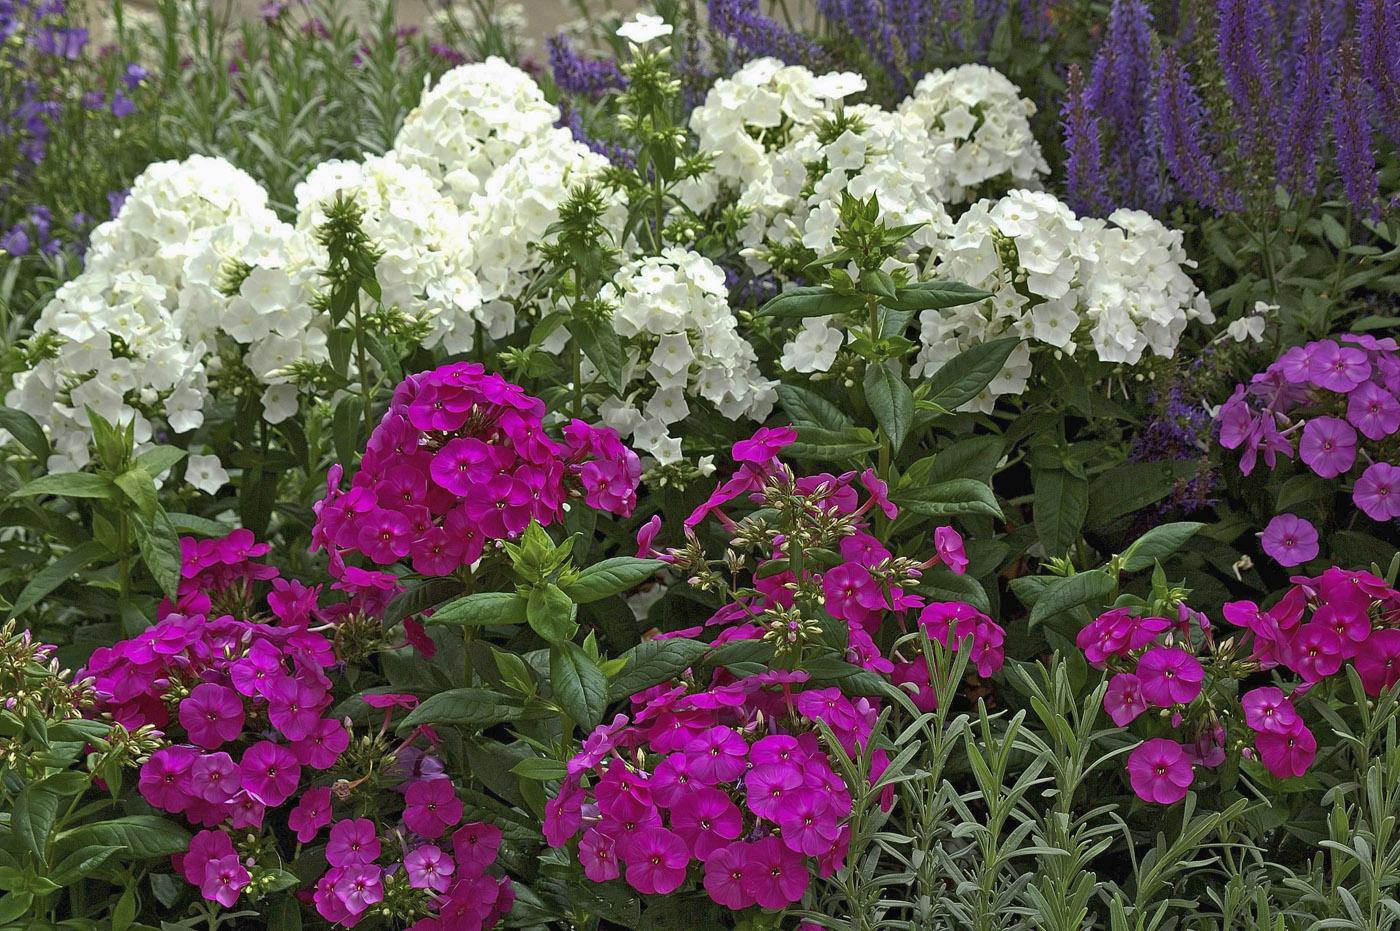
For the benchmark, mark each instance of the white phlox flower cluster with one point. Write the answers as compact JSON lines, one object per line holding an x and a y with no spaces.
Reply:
{"x":487,"y":137}
{"x":763,"y":108}
{"x":960,"y":130}
{"x":134,"y":336}
{"x":978,"y":127}
{"x":426,"y":266}
{"x":475,"y":178}
{"x":1118,"y":288}
{"x":472,"y":122}
{"x":673,"y":313}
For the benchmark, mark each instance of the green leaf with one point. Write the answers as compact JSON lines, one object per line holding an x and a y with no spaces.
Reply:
{"x":198,"y":526}
{"x":345,"y":428}
{"x":159,"y":459}
{"x":804,"y":405}
{"x":603,"y":347}
{"x":810,"y":302}
{"x":539,"y":768}
{"x":1064,"y":594}
{"x":964,"y":376}
{"x":579,"y":685}
{"x":143,"y":836}
{"x":466,"y":707}
{"x":160,"y":550}
{"x":879,"y":283}
{"x":830,"y":445}
{"x":1133,"y":486}
{"x":422,"y":597}
{"x":26,"y":430}
{"x":68,"y":485}
{"x":56,"y":573}
{"x":483,"y":609}
{"x":942,"y":585}
{"x":652,"y":662}
{"x":32,"y":820}
{"x":891,"y":401}
{"x":937,"y":295}
{"x":960,"y":496}
{"x":975,"y":457}
{"x":1061,"y":504}
{"x":140,"y":489}
{"x":15,"y":906}
{"x":611,"y":577}
{"x":1158,"y":543}
{"x":551,"y":613}
{"x":81,"y":862}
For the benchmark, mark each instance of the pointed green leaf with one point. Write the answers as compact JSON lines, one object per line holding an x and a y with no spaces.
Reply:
{"x":611,"y":577}
{"x":964,"y":376}
{"x":891,"y":401}
{"x":579,"y":685}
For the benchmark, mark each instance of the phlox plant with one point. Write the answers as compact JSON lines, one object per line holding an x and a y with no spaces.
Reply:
{"x":238,"y":685}
{"x":752,"y":471}
{"x":726,"y":782}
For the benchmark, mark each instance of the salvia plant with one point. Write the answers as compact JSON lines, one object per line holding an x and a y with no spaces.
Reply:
{"x":853,"y":466}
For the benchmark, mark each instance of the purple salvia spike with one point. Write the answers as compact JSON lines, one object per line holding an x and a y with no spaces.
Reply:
{"x":1180,"y":115}
{"x":1085,"y":182}
{"x":1303,"y":130}
{"x":1351,"y":125}
{"x":759,"y":36}
{"x":1378,"y":37}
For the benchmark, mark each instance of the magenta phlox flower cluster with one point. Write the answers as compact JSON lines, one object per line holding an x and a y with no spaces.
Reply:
{"x":865,"y":589}
{"x":453,"y":889}
{"x":1335,"y":404}
{"x":1156,"y":664}
{"x":1324,"y":622}
{"x":242,"y":701}
{"x":729,"y":786}
{"x":1317,"y":627}
{"x":460,"y":459}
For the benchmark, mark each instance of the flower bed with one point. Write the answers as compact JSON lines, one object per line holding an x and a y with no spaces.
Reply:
{"x":921,"y":471}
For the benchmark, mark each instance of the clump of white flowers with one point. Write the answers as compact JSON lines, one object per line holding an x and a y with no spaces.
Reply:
{"x":512,"y":214}
{"x":472,"y":122}
{"x":1118,"y":288}
{"x":763,"y":108}
{"x":673,"y":312}
{"x":426,"y":267}
{"x":487,"y":138}
{"x":866,"y":152}
{"x":134,"y":336}
{"x":978,"y":130}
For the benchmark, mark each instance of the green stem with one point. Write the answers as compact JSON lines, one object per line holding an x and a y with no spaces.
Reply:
{"x":362,"y":361}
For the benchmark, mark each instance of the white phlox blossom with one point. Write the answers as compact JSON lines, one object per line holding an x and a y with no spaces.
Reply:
{"x":673,"y":313}
{"x":135,"y":335}
{"x":473,"y":121}
{"x":978,"y":130}
{"x":1117,"y":288}
{"x":426,"y":267}
{"x":764,"y":107}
